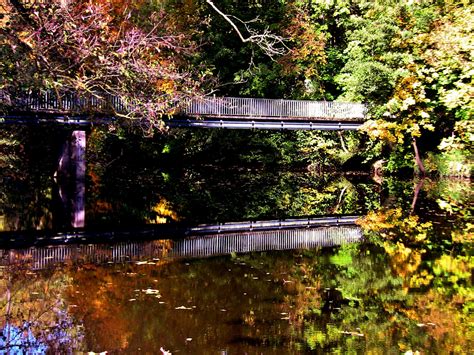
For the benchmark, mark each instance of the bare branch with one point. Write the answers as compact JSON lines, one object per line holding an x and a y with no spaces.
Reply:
{"x":271,"y":44}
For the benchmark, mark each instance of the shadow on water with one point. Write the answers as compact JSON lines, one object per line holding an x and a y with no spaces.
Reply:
{"x":126,"y":186}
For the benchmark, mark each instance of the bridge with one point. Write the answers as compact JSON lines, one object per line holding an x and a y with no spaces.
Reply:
{"x":203,"y":241}
{"x":207,"y":112}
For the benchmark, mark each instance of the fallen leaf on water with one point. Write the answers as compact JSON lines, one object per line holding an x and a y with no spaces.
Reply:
{"x":151,"y":291}
{"x":182,"y":307}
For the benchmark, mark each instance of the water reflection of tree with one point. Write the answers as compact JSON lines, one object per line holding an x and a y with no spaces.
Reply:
{"x":132,"y":181}
{"x":433,"y":266}
{"x":148,"y":305}
{"x":28,"y":161}
{"x":35,"y":317}
{"x":409,"y":290}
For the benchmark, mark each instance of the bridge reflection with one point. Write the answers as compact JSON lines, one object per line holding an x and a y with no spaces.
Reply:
{"x":199,"y":245}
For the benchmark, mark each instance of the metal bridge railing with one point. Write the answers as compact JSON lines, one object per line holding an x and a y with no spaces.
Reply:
{"x":253,"y":108}
{"x":48,"y":101}
{"x":214,"y":107}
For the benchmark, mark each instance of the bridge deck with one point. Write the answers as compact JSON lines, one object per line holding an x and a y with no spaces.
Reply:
{"x":270,"y":109}
{"x":229,"y":108}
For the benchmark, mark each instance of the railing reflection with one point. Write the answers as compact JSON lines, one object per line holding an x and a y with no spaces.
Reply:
{"x":191,"y":247}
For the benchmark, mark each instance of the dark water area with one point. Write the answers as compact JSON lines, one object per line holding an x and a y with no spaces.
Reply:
{"x":135,"y":184}
{"x":399,"y":280}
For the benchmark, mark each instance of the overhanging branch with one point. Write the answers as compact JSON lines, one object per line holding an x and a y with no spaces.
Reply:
{"x":271,"y":44}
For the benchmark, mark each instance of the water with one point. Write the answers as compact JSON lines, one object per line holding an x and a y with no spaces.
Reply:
{"x":406,"y":286}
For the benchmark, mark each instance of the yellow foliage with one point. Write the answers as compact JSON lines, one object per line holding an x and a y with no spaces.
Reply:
{"x":464,"y":236}
{"x":163,"y":210}
{"x":391,"y":224}
{"x":166,"y":86}
{"x":421,"y":279}
{"x":404,"y":261}
{"x":461,"y":266}
{"x":388,"y":131}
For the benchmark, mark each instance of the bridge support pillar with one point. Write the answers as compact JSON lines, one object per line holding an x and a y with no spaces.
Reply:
{"x":71,"y":177}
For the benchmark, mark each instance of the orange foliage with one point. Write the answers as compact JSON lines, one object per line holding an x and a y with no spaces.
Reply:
{"x":308,"y":45}
{"x":97,"y":296}
{"x":404,"y":262}
{"x":437,"y":318}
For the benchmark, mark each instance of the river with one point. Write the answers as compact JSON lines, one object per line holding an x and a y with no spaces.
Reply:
{"x":219,"y":259}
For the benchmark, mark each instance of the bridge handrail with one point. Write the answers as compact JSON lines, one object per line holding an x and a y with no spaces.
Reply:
{"x":241,"y":107}
{"x":215,"y":107}
{"x":48,"y":101}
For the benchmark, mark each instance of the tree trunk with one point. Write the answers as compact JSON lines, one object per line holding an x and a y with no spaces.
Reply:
{"x":418,"y":160}
{"x":79,"y":158}
{"x":71,"y":175}
{"x":342,"y":142}
{"x":416,"y":191}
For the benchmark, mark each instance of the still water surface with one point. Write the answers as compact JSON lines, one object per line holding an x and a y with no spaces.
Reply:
{"x":406,"y":286}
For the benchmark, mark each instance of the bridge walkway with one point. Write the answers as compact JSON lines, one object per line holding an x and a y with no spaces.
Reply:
{"x":206,"y":112}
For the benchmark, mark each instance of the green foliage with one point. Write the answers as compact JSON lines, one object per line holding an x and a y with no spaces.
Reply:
{"x":455,"y":158}
{"x":366,"y":82}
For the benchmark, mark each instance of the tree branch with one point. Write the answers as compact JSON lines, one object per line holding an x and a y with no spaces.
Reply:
{"x":270,"y":43}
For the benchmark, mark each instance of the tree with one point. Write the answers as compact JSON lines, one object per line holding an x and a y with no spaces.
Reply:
{"x":95,"y":48}
{"x":410,"y":61}
{"x":271,"y":44}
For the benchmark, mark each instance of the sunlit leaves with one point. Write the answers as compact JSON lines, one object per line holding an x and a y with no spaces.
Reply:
{"x":163,"y":212}
{"x":307,"y":52}
{"x":106,"y":48}
{"x":392,"y":224}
